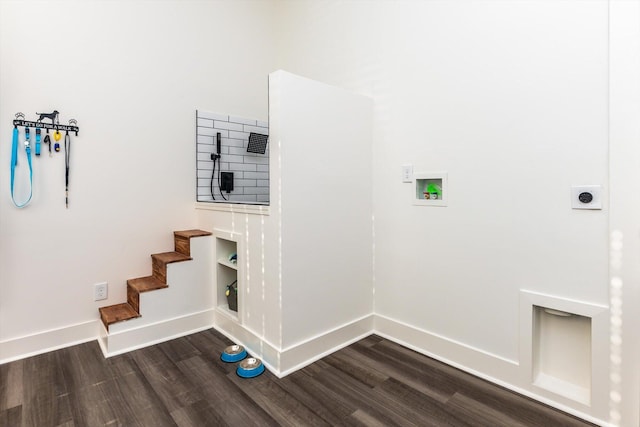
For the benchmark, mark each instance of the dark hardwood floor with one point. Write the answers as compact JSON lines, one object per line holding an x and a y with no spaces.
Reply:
{"x":183,"y":382}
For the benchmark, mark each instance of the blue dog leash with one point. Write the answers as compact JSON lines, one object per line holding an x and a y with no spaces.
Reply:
{"x":37,"y":141}
{"x":14,"y":163}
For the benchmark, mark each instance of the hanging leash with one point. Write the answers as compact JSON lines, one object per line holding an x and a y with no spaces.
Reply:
{"x":14,"y":163}
{"x":47,"y":141}
{"x":38,"y":141}
{"x":67,"y":156}
{"x":67,"y":159}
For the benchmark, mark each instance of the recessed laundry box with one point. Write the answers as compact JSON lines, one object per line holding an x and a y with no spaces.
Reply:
{"x":430,"y":189}
{"x":562,"y":353}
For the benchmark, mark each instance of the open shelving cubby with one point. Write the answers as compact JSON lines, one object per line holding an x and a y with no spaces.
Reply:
{"x":227,"y":271}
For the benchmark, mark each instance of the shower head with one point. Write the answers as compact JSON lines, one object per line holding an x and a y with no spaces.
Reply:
{"x":257,"y":143}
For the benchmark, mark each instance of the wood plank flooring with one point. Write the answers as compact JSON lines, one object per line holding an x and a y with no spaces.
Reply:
{"x":183,"y":382}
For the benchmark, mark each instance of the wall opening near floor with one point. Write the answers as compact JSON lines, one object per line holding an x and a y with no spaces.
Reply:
{"x":562,"y":353}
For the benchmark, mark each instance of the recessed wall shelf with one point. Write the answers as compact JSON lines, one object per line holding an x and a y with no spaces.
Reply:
{"x":227,"y":273}
{"x":430,"y":189}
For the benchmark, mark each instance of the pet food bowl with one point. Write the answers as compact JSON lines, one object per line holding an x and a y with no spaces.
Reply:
{"x":233,"y":353}
{"x":250,"y":368}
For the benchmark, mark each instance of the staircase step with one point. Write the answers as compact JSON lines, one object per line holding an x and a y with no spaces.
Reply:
{"x":145,"y":284}
{"x":182,"y":239}
{"x":158,"y":280}
{"x":142,"y":284}
{"x":117,"y":313}
{"x":159,"y":263}
{"x":169,"y":257}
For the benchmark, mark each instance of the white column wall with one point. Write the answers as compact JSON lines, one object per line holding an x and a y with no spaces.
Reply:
{"x":624,"y":160}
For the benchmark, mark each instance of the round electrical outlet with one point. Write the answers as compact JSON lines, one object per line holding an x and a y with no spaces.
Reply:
{"x":585,"y":197}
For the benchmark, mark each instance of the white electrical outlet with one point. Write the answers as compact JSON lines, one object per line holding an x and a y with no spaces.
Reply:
{"x":407,"y":173}
{"x":100,"y":291}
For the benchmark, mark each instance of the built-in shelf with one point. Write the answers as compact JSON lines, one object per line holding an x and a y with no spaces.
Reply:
{"x":430,"y":189}
{"x":226,"y":263}
{"x":227,"y":272}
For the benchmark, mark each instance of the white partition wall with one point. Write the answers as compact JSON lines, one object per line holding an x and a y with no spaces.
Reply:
{"x":325,"y":148}
{"x":308,"y":256}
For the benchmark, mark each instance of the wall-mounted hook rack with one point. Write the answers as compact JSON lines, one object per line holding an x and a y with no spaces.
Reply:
{"x":28,"y":123}
{"x":39,"y":124}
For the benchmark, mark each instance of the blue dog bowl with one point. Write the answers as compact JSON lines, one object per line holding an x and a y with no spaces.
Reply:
{"x":250,"y":368}
{"x":233,"y":353}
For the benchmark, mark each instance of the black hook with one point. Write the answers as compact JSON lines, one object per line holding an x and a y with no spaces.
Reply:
{"x":73,"y":122}
{"x":19,"y":116}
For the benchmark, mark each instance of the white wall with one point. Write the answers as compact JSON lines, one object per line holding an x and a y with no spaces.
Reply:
{"x":324,"y":137}
{"x":510,"y":98}
{"x":132,"y":73}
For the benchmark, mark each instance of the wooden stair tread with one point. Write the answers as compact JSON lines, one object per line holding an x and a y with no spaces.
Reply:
{"x":116,"y":313}
{"x":145,"y":284}
{"x":182,"y":240}
{"x":169,"y":257}
{"x":131,"y":309}
{"x":191,"y":233}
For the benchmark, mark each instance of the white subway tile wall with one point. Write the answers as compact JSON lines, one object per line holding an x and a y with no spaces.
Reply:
{"x":250,"y":170}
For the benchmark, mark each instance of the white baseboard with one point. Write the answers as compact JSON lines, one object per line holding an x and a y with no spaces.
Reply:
{"x":304,"y":353}
{"x":282,"y":362}
{"x":462,"y":354}
{"x":45,"y":341}
{"x":127,"y":340}
{"x":493,"y":368}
